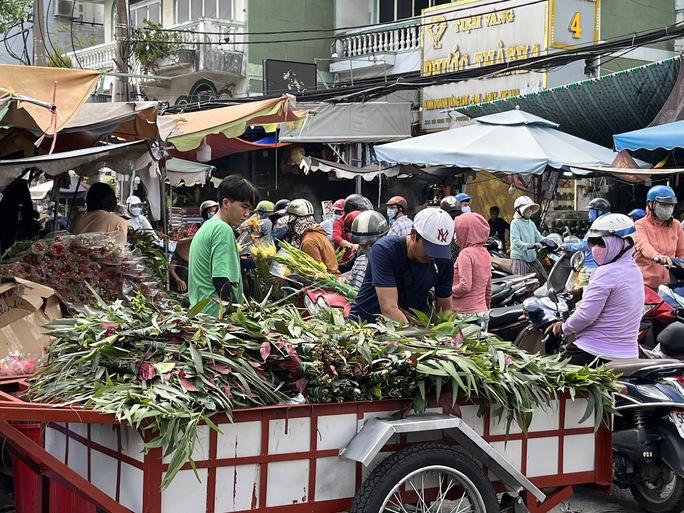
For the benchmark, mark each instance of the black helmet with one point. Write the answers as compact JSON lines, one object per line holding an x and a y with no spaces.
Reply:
{"x":671,"y":340}
{"x":357,"y":202}
{"x":368,"y":226}
{"x":450,"y":204}
{"x":600,"y":204}
{"x":540,"y":315}
{"x":281,"y":204}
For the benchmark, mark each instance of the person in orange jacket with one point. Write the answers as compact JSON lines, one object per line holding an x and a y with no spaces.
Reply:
{"x":309,"y":236}
{"x":659,"y":238}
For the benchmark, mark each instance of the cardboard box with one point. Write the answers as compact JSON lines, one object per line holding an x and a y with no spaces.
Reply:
{"x":24,"y":307}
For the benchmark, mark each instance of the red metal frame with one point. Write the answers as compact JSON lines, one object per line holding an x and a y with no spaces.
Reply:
{"x":12,"y":409}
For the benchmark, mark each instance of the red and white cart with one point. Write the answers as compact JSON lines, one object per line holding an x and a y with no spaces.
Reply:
{"x":317,"y":458}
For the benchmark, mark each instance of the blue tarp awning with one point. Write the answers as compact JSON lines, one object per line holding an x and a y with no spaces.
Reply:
{"x":667,"y":137}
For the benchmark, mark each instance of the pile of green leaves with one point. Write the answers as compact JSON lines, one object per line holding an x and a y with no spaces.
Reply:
{"x":165,"y":371}
{"x":340,"y":360}
{"x":162,"y":372}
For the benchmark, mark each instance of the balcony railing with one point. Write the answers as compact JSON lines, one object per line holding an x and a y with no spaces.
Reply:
{"x":397,"y":37}
{"x":101,"y":57}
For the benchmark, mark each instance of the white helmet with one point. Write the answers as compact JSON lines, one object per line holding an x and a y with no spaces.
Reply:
{"x":524,"y":203}
{"x":619,"y":225}
{"x":300,"y":208}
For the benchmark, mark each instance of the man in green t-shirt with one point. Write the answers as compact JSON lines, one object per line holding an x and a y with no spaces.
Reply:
{"x":214,"y":269}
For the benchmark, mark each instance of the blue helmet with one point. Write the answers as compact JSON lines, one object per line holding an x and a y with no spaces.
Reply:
{"x":637,"y":214}
{"x":462,"y":196}
{"x":662,"y":194}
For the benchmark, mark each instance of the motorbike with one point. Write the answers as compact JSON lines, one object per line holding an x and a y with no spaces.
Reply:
{"x":648,"y":432}
{"x":555,"y":294}
{"x":513,"y":289}
{"x":662,"y":324}
{"x":501,"y":263}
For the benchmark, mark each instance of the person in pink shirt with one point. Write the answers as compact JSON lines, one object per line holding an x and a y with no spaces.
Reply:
{"x":471,"y":292}
{"x":659,"y":238}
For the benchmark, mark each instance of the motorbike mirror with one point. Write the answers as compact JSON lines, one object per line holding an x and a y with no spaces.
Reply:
{"x":577,"y":261}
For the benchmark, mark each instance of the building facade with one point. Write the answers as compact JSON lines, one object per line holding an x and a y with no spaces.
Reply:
{"x":222,"y":44}
{"x":68,"y":25}
{"x":460,"y":35}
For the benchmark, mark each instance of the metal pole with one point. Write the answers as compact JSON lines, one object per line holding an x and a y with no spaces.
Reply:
{"x":360,"y":164}
{"x":73,"y":198}
{"x":39,"y":51}
{"x":121,"y":57}
{"x":164,"y":217}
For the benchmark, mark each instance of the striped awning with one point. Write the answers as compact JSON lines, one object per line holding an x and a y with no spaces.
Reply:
{"x":595,"y":109}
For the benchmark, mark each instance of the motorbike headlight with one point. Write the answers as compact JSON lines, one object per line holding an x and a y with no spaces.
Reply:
{"x":651,"y":392}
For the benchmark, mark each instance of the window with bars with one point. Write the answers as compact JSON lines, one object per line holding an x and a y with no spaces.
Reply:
{"x":145,"y":10}
{"x":186,"y":10}
{"x":395,"y":10}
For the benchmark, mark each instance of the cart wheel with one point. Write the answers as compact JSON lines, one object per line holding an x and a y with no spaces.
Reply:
{"x":427,"y":477}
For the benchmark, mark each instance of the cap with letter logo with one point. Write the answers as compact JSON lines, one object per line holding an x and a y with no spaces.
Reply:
{"x":436,"y":228}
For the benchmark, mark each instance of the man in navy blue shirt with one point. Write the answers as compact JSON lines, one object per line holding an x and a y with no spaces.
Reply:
{"x":402,"y":270}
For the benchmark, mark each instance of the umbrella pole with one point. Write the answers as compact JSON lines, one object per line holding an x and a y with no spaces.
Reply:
{"x":54,"y":194}
{"x":73,"y":198}
{"x":164,"y":217}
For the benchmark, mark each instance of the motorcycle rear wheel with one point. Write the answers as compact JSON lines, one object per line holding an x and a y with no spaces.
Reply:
{"x":660,"y":491}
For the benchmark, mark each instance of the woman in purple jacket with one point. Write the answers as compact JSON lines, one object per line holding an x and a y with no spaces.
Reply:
{"x":606,"y":322}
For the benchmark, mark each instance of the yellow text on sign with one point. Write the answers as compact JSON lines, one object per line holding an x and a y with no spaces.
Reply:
{"x":576,"y":26}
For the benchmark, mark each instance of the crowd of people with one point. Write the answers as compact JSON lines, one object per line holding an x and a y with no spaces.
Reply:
{"x":436,"y":260}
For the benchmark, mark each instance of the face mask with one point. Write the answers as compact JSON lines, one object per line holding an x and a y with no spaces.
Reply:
{"x":210,"y":215}
{"x":465,"y":209}
{"x":136,"y":211}
{"x":663,"y":212}
{"x":599,"y":254}
{"x":391,"y":214}
{"x":593,"y":214}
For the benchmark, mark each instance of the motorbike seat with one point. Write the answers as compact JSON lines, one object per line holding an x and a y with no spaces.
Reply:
{"x":499,"y":291}
{"x":629,"y":366}
{"x":505,"y":315}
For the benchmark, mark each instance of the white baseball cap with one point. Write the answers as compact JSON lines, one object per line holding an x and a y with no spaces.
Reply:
{"x":436,"y":227}
{"x":133,"y":200}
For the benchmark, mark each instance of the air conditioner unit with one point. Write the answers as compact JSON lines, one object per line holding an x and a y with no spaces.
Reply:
{"x":64,"y":8}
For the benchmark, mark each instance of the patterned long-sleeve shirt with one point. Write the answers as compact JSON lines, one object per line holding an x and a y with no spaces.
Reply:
{"x":401,"y":227}
{"x":358,"y":271}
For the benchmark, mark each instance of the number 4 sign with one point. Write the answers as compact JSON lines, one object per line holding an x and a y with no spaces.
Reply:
{"x":573,"y":22}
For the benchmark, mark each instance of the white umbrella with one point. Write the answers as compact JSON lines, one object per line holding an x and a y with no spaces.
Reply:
{"x":512,"y":142}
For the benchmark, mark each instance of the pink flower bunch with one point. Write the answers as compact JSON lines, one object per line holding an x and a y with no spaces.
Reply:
{"x":68,"y":263}
{"x":17,"y":365}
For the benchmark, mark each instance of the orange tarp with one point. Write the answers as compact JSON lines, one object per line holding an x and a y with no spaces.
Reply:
{"x":70,"y":88}
{"x":230,"y":121}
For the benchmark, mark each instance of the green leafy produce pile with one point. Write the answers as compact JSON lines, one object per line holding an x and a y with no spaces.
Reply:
{"x":166,"y":371}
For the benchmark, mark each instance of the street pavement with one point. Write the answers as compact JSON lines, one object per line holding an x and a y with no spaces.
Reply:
{"x":589,"y":501}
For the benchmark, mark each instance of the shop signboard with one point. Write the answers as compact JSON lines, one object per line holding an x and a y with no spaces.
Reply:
{"x":472,"y":34}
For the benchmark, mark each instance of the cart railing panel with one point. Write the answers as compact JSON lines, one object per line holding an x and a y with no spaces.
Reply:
{"x":288,"y":456}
